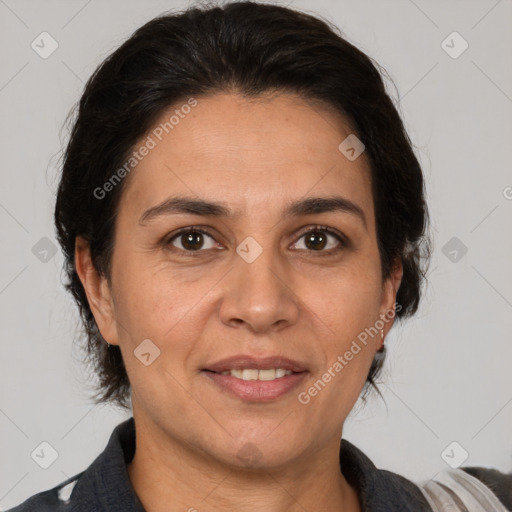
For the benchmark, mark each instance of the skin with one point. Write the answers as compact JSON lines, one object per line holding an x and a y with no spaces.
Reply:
{"x":255,"y":156}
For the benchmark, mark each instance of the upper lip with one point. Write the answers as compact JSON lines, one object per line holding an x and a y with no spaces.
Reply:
{"x":240,"y":362}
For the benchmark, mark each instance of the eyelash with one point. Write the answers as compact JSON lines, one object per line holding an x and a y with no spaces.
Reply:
{"x":196,"y":229}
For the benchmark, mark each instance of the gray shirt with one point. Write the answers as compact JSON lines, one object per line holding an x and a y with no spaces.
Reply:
{"x":105,"y":486}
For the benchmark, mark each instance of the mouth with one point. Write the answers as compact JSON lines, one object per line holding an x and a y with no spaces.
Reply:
{"x":255,"y":374}
{"x":256,"y":379}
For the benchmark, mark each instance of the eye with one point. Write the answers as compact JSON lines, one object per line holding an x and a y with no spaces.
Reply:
{"x":193,"y":239}
{"x":317,"y":239}
{"x":190,"y":239}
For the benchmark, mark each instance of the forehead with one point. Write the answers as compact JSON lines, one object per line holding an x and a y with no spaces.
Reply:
{"x":254,"y":154}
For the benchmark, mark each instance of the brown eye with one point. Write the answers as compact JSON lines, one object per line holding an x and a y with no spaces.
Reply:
{"x":191,"y":240}
{"x":317,"y":240}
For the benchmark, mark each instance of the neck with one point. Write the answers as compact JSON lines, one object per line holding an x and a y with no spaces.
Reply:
{"x":169,"y":476}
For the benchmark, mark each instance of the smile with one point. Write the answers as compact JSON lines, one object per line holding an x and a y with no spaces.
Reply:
{"x":251,"y":385}
{"x":254,"y":374}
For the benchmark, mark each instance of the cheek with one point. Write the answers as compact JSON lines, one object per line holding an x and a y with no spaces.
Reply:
{"x":349,"y":299}
{"x":348,"y":305}
{"x":349,"y":350}
{"x":162,"y":304}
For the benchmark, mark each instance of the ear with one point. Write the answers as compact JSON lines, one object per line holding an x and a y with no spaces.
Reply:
{"x":97,"y":290}
{"x":389,"y":290}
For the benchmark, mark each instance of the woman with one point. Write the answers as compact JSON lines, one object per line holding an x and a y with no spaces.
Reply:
{"x":243,"y":218}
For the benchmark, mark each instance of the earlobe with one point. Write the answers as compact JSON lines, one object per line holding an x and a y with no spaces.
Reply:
{"x":389,"y":292}
{"x":396,"y":276}
{"x":97,"y":290}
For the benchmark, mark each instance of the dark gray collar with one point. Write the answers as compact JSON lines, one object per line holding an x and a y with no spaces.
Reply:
{"x":379,"y":490}
{"x":105,"y":485}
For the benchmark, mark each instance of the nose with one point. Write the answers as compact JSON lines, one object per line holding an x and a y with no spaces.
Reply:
{"x":259,"y":294}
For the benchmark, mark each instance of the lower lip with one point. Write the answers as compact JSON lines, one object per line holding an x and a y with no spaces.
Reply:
{"x":257,"y":390}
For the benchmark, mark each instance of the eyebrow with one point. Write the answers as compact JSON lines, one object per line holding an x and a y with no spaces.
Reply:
{"x":300,"y":207}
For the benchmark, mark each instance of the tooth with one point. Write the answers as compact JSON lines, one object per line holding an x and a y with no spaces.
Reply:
{"x":250,"y":374}
{"x":253,"y":374}
{"x":267,"y":374}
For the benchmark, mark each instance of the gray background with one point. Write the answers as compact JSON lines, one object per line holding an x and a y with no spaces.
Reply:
{"x":447,"y":376}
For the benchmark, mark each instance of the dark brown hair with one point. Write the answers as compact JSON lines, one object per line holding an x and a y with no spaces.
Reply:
{"x":252,"y":49}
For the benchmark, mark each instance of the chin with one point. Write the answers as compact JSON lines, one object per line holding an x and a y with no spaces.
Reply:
{"x":255,"y":454}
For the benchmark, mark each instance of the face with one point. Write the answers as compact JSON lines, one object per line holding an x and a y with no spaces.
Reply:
{"x":265,"y":280}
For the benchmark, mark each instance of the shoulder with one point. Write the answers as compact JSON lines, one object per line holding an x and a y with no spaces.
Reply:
{"x":104,"y":485}
{"x":499,"y":483}
{"x":379,"y":490}
{"x":469,"y":488}
{"x":51,"y":500}
{"x":465,"y":489}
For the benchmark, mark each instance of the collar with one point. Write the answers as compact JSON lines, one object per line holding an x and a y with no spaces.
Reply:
{"x":379,"y":490}
{"x":105,"y":485}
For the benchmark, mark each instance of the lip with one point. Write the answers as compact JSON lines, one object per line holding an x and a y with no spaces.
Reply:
{"x":256,"y":390}
{"x":240,"y":362}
